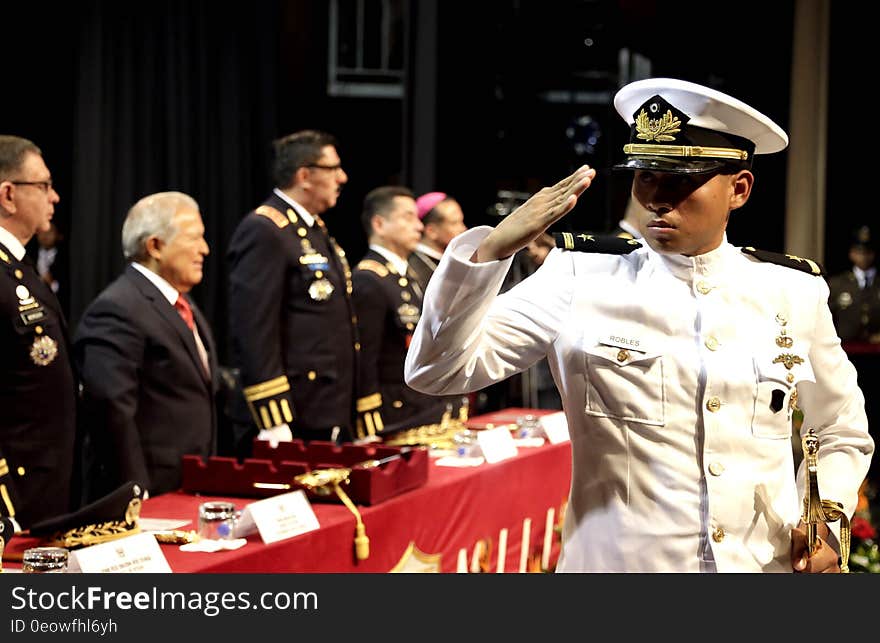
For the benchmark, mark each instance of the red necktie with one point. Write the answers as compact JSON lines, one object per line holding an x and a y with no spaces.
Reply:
{"x":182,"y":306}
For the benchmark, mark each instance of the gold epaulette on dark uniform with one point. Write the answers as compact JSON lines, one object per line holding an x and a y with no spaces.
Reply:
{"x":274,"y":215}
{"x":602,"y":243}
{"x":789,"y":261}
{"x":373,"y":266}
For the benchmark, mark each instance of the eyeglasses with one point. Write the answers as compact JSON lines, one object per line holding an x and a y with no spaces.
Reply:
{"x":45,"y":186}
{"x":332,"y":168}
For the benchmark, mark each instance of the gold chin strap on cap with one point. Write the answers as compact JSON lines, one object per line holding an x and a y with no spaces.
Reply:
{"x":817,"y":510}
{"x":686,"y":151}
{"x":322,"y":482}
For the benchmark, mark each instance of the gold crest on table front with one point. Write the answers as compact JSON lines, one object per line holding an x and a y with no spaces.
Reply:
{"x":415,"y":561}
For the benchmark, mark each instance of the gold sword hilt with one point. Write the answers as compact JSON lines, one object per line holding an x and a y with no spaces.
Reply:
{"x":817,"y":510}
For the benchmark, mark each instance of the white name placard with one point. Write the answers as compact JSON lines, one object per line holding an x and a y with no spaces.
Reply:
{"x":134,"y":554}
{"x":278,"y":517}
{"x":555,"y":427}
{"x":497,"y":444}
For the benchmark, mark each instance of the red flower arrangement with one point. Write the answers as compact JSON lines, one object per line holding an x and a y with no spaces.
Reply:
{"x":864,"y":554}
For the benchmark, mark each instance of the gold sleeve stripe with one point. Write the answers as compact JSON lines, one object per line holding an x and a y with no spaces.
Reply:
{"x":4,"y":468}
{"x":10,"y":510}
{"x":369,"y":402}
{"x":271,"y":213}
{"x":264,"y":415}
{"x":569,"y":240}
{"x":368,"y":420}
{"x":377,"y":421}
{"x":286,"y":412}
{"x":276,"y":413}
{"x":266,"y":389}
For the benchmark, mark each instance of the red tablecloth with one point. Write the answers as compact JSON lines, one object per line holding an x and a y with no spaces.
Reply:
{"x":452,"y":511}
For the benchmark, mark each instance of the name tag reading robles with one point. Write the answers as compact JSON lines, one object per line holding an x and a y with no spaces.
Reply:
{"x":134,"y":554}
{"x":278,"y":517}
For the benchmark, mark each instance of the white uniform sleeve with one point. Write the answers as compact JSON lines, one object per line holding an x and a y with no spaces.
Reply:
{"x":835,"y":407}
{"x":469,"y":336}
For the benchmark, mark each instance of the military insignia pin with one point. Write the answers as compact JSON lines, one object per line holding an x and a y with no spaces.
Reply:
{"x":321,"y":289}
{"x":44,"y":350}
{"x":783,"y":341}
{"x":788,"y":360}
{"x":408,"y":313}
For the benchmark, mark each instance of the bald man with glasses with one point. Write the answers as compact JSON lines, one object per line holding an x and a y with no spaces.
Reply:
{"x":37,"y":385}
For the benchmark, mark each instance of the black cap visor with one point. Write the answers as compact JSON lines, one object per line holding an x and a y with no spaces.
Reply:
{"x":671,"y":164}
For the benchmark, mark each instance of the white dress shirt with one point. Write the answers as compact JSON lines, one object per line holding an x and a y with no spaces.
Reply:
{"x":678,"y":407}
{"x":864,"y":277}
{"x":12,"y":243}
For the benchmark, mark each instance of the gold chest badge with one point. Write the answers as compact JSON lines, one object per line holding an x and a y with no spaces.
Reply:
{"x":321,"y":289}
{"x":408,"y":313}
{"x":44,"y":350}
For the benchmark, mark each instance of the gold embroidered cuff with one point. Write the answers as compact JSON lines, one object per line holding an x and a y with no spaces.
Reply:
{"x":370,"y":423}
{"x":269,"y":388}
{"x":369,"y":402}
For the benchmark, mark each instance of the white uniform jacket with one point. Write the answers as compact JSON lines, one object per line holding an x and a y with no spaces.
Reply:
{"x":677,"y":394}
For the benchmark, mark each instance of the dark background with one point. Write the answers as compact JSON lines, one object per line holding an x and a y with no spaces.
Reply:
{"x":126,"y":99}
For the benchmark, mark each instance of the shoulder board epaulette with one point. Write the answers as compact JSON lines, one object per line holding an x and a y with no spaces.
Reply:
{"x":271,"y":213}
{"x":789,"y":261}
{"x":373,"y":266}
{"x":602,"y":243}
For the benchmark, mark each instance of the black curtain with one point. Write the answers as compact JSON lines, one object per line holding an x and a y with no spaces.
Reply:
{"x":169,"y":95}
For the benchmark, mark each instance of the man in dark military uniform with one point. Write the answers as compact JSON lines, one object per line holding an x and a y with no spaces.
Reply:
{"x":855,"y":294}
{"x":37,"y":385}
{"x":388,"y":302}
{"x":291,"y":319}
{"x":854,"y":301}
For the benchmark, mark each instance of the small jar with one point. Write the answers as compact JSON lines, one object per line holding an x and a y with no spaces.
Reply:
{"x":216,"y":520}
{"x":466,"y":444}
{"x":528,"y":426}
{"x":44,"y":560}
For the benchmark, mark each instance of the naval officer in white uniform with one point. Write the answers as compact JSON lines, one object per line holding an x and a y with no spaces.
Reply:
{"x":680,"y":359}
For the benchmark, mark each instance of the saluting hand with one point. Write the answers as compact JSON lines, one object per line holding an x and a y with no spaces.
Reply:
{"x":534,"y":216}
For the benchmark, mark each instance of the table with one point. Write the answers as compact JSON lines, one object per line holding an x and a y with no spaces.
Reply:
{"x":451,"y":512}
{"x":426,"y":528}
